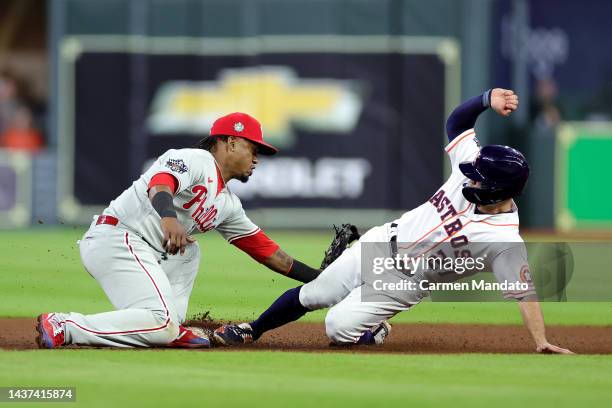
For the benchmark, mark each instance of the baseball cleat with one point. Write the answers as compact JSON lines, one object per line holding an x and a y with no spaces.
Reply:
{"x":191,"y":337}
{"x":381,"y":332}
{"x":234,"y":334}
{"x":50,"y":331}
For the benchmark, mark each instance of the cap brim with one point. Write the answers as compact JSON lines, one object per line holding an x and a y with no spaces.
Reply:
{"x":468,"y":169}
{"x":265,"y":149}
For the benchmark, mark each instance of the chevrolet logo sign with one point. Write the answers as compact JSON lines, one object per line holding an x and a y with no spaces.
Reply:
{"x":274,"y":95}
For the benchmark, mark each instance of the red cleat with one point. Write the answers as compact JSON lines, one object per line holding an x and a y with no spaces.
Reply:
{"x":50,"y":331}
{"x":191,"y":337}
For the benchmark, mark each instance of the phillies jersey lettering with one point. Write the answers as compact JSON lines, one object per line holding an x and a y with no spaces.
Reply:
{"x":202,"y":216}
{"x":204,"y":219}
{"x":202,"y":201}
{"x":199,"y":191}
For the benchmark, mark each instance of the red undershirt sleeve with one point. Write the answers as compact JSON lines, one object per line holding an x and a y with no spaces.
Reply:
{"x":165,"y":179}
{"x":258,"y":246}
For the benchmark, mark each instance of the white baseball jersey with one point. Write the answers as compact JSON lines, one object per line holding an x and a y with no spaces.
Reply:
{"x":448,"y":220}
{"x":202,"y":201}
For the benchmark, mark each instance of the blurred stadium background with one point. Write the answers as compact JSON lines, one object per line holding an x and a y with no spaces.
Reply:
{"x":354,"y":92}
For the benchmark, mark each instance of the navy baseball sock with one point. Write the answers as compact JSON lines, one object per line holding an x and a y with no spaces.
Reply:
{"x":285,"y":309}
{"x":366,"y":338}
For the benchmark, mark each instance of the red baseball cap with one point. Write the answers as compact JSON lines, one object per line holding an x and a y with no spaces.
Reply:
{"x":242,"y":125}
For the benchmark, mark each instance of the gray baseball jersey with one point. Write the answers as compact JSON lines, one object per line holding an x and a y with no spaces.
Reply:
{"x":202,"y":201}
{"x":151,"y":292}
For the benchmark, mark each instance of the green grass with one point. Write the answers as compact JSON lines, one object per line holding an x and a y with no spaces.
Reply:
{"x":42,"y":272}
{"x":271,"y":379}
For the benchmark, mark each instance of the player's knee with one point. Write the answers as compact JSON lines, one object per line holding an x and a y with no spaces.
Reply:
{"x":337,"y":329}
{"x":168,"y":332}
{"x":314,"y":299}
{"x":316,"y":302}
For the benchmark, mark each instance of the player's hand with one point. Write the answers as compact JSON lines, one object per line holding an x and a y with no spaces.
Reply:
{"x":504,"y":101}
{"x":175,"y":236}
{"x":547,"y":348}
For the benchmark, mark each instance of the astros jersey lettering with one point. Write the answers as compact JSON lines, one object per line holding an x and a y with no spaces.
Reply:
{"x":448,"y":220}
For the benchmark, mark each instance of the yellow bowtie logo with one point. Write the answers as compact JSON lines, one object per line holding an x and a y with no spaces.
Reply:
{"x":274,"y":95}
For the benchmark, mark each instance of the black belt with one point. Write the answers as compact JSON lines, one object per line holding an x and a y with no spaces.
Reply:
{"x":393,"y":244}
{"x":393,"y":240}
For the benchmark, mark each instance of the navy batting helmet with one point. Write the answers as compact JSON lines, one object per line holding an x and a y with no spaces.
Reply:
{"x":502,"y":172}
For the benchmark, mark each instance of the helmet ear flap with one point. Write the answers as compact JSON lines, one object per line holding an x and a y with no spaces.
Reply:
{"x":483,"y":196}
{"x":470,"y":194}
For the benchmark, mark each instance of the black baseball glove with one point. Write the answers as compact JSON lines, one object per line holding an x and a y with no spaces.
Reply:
{"x":346,"y":234}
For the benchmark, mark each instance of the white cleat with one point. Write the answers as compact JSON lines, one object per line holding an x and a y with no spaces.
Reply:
{"x":381,"y":332}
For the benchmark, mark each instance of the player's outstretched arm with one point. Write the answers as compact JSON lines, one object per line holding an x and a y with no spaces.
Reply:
{"x":502,"y":101}
{"x":265,"y":251}
{"x":465,"y":115}
{"x":281,"y":262}
{"x":534,"y":321}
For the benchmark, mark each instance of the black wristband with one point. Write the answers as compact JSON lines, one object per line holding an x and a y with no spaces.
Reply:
{"x":302,"y":272}
{"x":162,"y":202}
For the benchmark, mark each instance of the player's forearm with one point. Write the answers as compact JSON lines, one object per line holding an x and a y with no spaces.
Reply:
{"x":534,"y":320}
{"x":281,"y":262}
{"x":465,"y":115}
{"x":161,"y":200}
{"x":264,"y":250}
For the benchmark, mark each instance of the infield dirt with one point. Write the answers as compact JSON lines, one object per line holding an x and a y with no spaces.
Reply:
{"x":19,"y":334}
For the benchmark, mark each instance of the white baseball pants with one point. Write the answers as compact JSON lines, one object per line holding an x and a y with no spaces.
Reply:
{"x":151,"y":295}
{"x":339,"y":287}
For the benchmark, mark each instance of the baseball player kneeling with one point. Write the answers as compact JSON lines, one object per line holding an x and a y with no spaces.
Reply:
{"x":472,"y":215}
{"x":142,"y":252}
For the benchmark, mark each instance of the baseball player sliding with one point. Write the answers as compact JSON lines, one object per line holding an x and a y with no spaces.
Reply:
{"x":471,"y":215}
{"x":142,"y":252}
